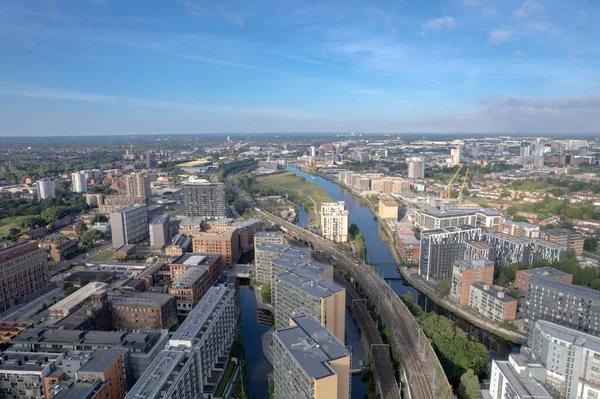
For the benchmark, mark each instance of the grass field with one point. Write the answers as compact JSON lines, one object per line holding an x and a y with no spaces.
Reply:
{"x":298,"y":190}
{"x":7,"y":223}
{"x":197,"y":162}
{"x":101,"y":257}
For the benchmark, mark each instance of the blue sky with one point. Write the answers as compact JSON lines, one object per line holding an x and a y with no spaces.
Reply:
{"x":193,"y":66}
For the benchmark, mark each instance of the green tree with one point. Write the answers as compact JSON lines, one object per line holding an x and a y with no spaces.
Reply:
{"x":80,"y":228}
{"x":590,"y":244}
{"x":511,"y":210}
{"x":100,"y":218}
{"x":265,"y":293}
{"x":33,"y":222}
{"x":353,"y":231}
{"x":469,"y":387}
{"x":91,"y":237}
{"x":519,"y":218}
{"x":444,"y":288}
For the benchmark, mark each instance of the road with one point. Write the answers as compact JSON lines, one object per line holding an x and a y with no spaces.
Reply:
{"x":425,"y":375}
{"x":384,"y":372}
{"x":61,"y":267}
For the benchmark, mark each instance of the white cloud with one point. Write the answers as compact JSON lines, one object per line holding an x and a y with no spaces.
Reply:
{"x":210,"y":10}
{"x":441,"y":23}
{"x":519,"y":54}
{"x":528,"y":8}
{"x":470,"y":3}
{"x":498,"y":36}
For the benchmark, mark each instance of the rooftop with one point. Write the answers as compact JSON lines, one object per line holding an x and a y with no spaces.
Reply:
{"x":500,"y":295}
{"x":557,"y":232}
{"x":569,"y":335}
{"x":311,"y":345}
{"x":131,"y":208}
{"x":247,"y":223}
{"x":33,"y":362}
{"x":473,"y":263}
{"x":78,"y":296}
{"x":101,"y":359}
{"x":525,"y":386}
{"x":201,"y":182}
{"x":160,"y":219}
{"x":478,"y":245}
{"x":270,"y":234}
{"x":565,"y":288}
{"x":548,"y":244}
{"x":310,"y":283}
{"x":152,"y":382}
{"x":509,"y":238}
{"x":135,"y":298}
{"x":195,"y":259}
{"x":189,"y":278}
{"x":282,"y":249}
{"x":449,"y":230}
{"x":545,"y":271}
{"x":293,"y":262}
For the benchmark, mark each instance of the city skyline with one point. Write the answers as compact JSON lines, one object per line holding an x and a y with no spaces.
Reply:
{"x":104,"y":67}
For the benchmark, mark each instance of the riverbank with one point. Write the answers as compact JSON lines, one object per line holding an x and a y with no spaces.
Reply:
{"x":423,"y":287}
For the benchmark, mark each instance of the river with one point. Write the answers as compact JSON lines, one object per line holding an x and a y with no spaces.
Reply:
{"x":380,"y":256}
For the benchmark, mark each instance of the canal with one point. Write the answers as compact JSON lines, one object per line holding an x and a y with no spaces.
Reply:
{"x":380,"y":256}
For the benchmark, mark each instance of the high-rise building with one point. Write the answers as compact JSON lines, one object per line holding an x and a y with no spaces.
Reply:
{"x":129,"y":225}
{"x":304,"y":292}
{"x":334,"y":221}
{"x":138,"y":187}
{"x":564,"y":237}
{"x":432,"y":218}
{"x":313,"y":151}
{"x":454,"y":156}
{"x":159,"y":231}
{"x":441,"y":248}
{"x":516,"y":379}
{"x":45,"y":189}
{"x":569,"y":305}
{"x":265,"y":254}
{"x":507,"y":250}
{"x":203,"y":198}
{"x":525,"y":150}
{"x":416,"y":167}
{"x":23,"y":270}
{"x":519,"y":229}
{"x":570,"y":358}
{"x":268,"y":237}
{"x":468,"y":272}
{"x":79,"y":182}
{"x":309,"y":362}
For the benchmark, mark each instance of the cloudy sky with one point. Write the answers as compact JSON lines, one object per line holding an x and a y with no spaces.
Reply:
{"x":82,"y":67}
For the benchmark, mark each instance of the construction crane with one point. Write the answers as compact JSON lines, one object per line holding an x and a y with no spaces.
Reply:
{"x":452,"y":181}
{"x":462,"y":188}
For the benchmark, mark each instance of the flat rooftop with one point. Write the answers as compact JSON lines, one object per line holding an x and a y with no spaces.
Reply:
{"x":499,"y":295}
{"x":509,"y":238}
{"x":449,"y":230}
{"x":473,"y":263}
{"x":160,"y":219}
{"x":548,"y":244}
{"x":308,"y":282}
{"x":269,"y":234}
{"x":78,"y":296}
{"x":312,"y":346}
{"x":478,"y":245}
{"x":525,"y":387}
{"x":569,"y":335}
{"x":33,"y":362}
{"x":151,"y":383}
{"x":131,"y":208}
{"x":189,"y":278}
{"x":195,"y":259}
{"x":136,"y":298}
{"x":294,"y":262}
{"x":282,"y":249}
{"x":101,"y":359}
{"x":566,"y":288}
{"x":557,"y":232}
{"x":545,"y":271}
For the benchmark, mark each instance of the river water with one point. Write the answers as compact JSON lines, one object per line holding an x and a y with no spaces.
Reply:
{"x":380,"y":256}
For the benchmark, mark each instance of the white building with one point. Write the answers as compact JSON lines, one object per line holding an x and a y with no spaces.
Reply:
{"x":515,"y":378}
{"x":334,"y":221}
{"x":416,"y":167}
{"x":45,"y":188}
{"x":313,"y":151}
{"x":454,"y":156}
{"x":79,"y":182}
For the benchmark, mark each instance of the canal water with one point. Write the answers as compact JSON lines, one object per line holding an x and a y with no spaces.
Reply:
{"x":380,"y":256}
{"x":302,"y":220}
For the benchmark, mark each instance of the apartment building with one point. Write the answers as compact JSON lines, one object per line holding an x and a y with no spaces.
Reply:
{"x":570,"y":358}
{"x":416,"y":167}
{"x":516,"y":379}
{"x":222,"y":241}
{"x":111,"y":367}
{"x":432,"y":218}
{"x":568,"y":305}
{"x":268,"y":237}
{"x":388,"y":209}
{"x":159,"y":231}
{"x":542,"y":249}
{"x":247,"y":230}
{"x":23,"y":270}
{"x":304,"y":292}
{"x":476,"y":250}
{"x":203,"y":198}
{"x":138,"y":311}
{"x":79,"y":182}
{"x":138,"y":187}
{"x":519,"y":229}
{"x":129,"y":225}
{"x":309,"y":362}
{"x":551,"y":273}
{"x":334,"y":221}
{"x":441,"y":248}
{"x":22,"y":374}
{"x":564,"y":237}
{"x":179,"y":245}
{"x":265,"y":254}
{"x":143,"y":347}
{"x":409,"y":248}
{"x":491,"y":303}
{"x":506,"y":249}
{"x":468,"y":272}
{"x":185,"y":262}
{"x":45,"y":189}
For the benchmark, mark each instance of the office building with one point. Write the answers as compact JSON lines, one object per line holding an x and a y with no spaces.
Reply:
{"x":222,"y":241}
{"x":551,"y":273}
{"x":22,"y":374}
{"x":491,"y":303}
{"x":159,"y":229}
{"x":143,"y":347}
{"x":388,"y":209}
{"x":129,"y":225}
{"x":416,"y":167}
{"x":441,"y":248}
{"x":45,"y":188}
{"x":23,"y":270}
{"x":516,"y":379}
{"x":303,"y":292}
{"x":569,"y":305}
{"x":571,"y":360}
{"x":334,"y":221}
{"x":432,"y":218}
{"x":138,"y":187}
{"x":564,"y":237}
{"x":209,"y":331}
{"x":268,"y":237}
{"x":519,"y":229}
{"x":506,"y":249}
{"x":468,"y":272}
{"x":309,"y":362}
{"x":74,"y":301}
{"x":138,"y":311}
{"x":203,"y":198}
{"x":79,"y":182}
{"x":265,"y":254}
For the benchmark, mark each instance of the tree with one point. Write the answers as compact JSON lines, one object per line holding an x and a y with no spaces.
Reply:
{"x":590,"y":244}
{"x":444,"y":288}
{"x":265,"y":293}
{"x":91,"y":237}
{"x":353,"y":230}
{"x":469,"y":386}
{"x":80,"y":228}
{"x":33,"y":222}
{"x":519,"y":218}
{"x":511,"y":210}
{"x":100,"y":218}
{"x":59,"y":239}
